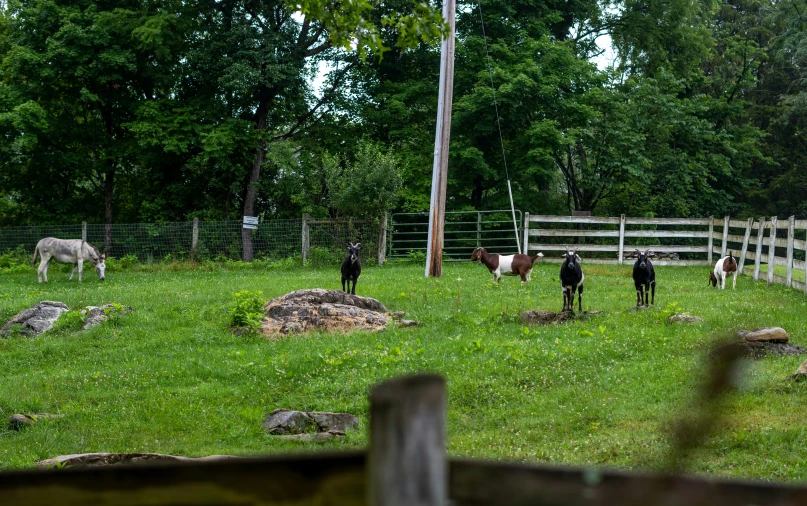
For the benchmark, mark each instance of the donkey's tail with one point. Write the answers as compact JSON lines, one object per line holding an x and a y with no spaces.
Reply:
{"x":36,"y":251}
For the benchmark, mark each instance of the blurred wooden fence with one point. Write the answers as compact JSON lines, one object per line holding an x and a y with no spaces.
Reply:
{"x":406,"y":465}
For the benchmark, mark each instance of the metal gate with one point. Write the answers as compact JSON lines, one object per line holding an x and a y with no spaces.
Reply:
{"x":464,"y":231}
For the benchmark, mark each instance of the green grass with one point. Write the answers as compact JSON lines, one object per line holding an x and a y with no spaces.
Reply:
{"x":171,"y":378}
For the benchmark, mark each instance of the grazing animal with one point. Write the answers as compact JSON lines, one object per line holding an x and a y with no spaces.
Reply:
{"x":507,"y":265}
{"x":68,"y":251}
{"x":351,"y":268}
{"x":571,"y":279}
{"x":724,"y":267}
{"x":644,"y":278}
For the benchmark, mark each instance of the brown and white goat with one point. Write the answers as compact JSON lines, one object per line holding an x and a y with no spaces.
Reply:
{"x":507,"y":265}
{"x":724,"y":267}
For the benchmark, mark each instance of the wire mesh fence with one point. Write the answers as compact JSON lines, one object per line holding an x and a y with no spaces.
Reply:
{"x":217,"y":240}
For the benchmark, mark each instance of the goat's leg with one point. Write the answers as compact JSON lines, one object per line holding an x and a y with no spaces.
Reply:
{"x":579,"y":298}
{"x":354,"y":287}
{"x":734,"y":281}
{"x":343,"y":285}
{"x":653,"y":293}
{"x":639,"y":296}
{"x":565,"y":303}
{"x":723,"y":281}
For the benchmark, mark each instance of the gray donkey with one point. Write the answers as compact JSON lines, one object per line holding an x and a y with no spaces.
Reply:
{"x":68,"y":251}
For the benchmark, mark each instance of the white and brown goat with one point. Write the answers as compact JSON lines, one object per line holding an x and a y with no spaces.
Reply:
{"x":724,"y":267}
{"x":507,"y":265}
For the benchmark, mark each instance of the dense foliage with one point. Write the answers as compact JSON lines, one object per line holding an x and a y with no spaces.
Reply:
{"x":161,"y":110}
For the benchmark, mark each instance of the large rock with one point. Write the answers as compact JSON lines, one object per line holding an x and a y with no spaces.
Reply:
{"x":685,"y":318}
{"x":770,"y":334}
{"x":327,"y":310}
{"x":801,"y":372}
{"x":35,"y":320}
{"x":96,"y":315}
{"x":107,"y":459}
{"x":287,"y":422}
{"x":761,"y":349}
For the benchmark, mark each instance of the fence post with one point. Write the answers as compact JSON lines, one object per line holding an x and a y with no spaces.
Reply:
{"x":305,"y":237}
{"x":791,"y":231}
{"x":526,"y":233}
{"x":760,"y":239}
{"x":772,"y":249}
{"x":725,"y":237}
{"x":711,"y":239}
{"x":406,"y":462}
{"x":746,"y":238}
{"x":478,"y":229}
{"x":382,"y":241}
{"x":83,"y":231}
{"x":621,"y":237}
{"x":195,"y":239}
{"x":805,"y":269}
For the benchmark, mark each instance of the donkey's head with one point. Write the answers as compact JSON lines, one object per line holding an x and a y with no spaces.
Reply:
{"x":353,"y":249}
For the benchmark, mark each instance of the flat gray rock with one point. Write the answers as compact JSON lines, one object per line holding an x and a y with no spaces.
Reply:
{"x":685,"y":318}
{"x":34,"y":321}
{"x":96,"y":315}
{"x":19,"y":421}
{"x":289,"y":422}
{"x":109,"y":459}
{"x":544,"y":317}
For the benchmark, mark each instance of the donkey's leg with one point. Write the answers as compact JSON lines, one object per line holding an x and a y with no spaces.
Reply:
{"x":80,"y":266}
{"x":75,"y":267}
{"x":43,"y":268}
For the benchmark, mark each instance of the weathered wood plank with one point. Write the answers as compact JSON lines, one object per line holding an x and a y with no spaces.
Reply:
{"x":574,"y":219}
{"x":772,"y":248}
{"x":776,"y":278}
{"x":620,"y":253}
{"x":799,"y":264}
{"x":736,"y":238}
{"x":798,"y":285}
{"x":800,"y":244}
{"x":744,"y":253}
{"x":725,"y":237}
{"x":526,"y":232}
{"x":711,"y":239}
{"x":615,"y":248}
{"x":499,"y":484}
{"x":406,"y":463}
{"x":791,"y":232}
{"x":607,"y":261}
{"x":801,"y":224}
{"x":569,"y":232}
{"x":285,"y":480}
{"x":758,"y":254}
{"x":667,"y":233}
{"x":737,"y":223}
{"x":667,"y":221}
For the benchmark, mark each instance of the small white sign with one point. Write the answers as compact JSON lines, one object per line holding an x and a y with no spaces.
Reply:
{"x":251,"y":227}
{"x":250,"y":220}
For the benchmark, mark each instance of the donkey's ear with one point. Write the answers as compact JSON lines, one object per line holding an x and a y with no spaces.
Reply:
{"x":103,"y":257}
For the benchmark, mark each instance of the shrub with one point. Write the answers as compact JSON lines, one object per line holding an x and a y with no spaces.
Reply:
{"x":247,"y":312}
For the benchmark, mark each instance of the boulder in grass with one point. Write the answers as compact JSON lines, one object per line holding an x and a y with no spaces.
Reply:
{"x":286,"y":422}
{"x":35,"y":320}
{"x":322,"y":310}
{"x":109,"y":459}
{"x":96,"y":315}
{"x":801,"y":372}
{"x":685,"y":318}
{"x":768,"y":334}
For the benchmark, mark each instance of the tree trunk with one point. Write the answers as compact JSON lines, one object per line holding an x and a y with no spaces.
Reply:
{"x":109,"y":185}
{"x":251,"y":194}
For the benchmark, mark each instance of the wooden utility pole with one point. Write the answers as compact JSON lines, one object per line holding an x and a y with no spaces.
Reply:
{"x":437,"y":209}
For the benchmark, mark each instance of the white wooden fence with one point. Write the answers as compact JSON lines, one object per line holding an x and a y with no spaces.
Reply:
{"x":754,"y":240}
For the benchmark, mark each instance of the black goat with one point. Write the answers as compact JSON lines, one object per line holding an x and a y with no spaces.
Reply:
{"x":351,"y":268}
{"x":644,"y":278}
{"x":571,"y":279}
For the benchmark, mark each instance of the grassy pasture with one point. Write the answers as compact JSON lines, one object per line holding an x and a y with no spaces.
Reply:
{"x":171,"y":378}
